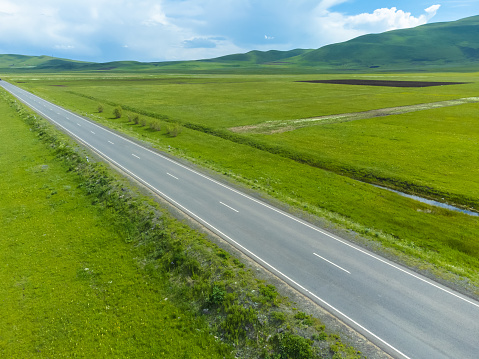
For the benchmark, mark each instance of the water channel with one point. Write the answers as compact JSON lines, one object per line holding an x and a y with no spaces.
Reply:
{"x":431,"y":202}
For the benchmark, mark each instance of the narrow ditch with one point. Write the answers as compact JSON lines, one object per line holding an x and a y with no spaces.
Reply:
{"x":431,"y":202}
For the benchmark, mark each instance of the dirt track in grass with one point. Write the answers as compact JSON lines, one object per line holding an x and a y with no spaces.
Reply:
{"x":272,"y":127}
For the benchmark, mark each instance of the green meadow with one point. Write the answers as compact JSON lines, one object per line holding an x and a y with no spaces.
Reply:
{"x":70,"y":284}
{"x":320,"y":169}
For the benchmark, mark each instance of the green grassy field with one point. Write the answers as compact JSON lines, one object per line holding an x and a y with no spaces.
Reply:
{"x":430,"y":152}
{"x":92,"y":268}
{"x":70,"y":284}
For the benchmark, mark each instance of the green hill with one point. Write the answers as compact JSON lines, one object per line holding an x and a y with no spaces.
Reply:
{"x":431,"y":47}
{"x":38,"y":62}
{"x":260,"y":57}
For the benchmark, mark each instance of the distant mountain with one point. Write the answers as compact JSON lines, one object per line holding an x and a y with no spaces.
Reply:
{"x":38,"y":62}
{"x":438,"y":44}
{"x":260,"y":57}
{"x":430,"y":47}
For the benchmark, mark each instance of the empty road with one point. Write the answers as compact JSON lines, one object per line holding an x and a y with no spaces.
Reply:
{"x":404,"y":313}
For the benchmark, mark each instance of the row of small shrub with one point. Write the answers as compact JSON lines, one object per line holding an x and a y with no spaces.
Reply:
{"x":172,"y":129}
{"x":362,"y":174}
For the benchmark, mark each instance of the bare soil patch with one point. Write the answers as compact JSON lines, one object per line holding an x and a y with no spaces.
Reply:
{"x":385,"y":83}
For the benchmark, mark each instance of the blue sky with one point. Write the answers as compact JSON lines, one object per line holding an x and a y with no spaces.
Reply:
{"x":162,"y":30}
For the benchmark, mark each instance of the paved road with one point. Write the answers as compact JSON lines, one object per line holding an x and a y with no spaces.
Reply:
{"x":404,"y":313}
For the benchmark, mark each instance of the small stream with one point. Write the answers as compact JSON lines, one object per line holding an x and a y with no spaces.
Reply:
{"x":431,"y":202}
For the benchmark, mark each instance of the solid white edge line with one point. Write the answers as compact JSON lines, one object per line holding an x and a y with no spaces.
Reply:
{"x":232,"y":241}
{"x":334,"y":264}
{"x":229,"y":238}
{"x":262,"y":203}
{"x":229,"y":207}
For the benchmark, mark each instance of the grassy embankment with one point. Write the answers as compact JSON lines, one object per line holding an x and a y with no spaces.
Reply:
{"x":430,"y":152}
{"x":70,"y":284}
{"x":92,"y":269}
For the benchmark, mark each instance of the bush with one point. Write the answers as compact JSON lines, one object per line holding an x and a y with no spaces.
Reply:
{"x":155,"y":125}
{"x":293,"y":346}
{"x":100,"y":108}
{"x":239,"y":320}
{"x":278,"y":317}
{"x":174,"y":129}
{"x":118,"y":112}
{"x":268,"y":291}
{"x":216,"y":297}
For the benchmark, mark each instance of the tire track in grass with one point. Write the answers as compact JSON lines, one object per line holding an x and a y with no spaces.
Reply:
{"x":272,"y":127}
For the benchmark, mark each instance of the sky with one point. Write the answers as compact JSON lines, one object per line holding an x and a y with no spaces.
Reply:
{"x":166,"y":30}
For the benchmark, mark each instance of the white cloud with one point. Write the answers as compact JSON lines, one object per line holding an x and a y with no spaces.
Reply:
{"x":336,"y":27}
{"x":156,"y":17}
{"x":155,"y":30}
{"x":8,"y":8}
{"x":389,"y":19}
{"x":432,"y":10}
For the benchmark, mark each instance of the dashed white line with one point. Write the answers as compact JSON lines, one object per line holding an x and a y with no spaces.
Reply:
{"x":135,"y":156}
{"x":92,"y":132}
{"x":169,"y":174}
{"x":78,"y":124}
{"x":229,"y":207}
{"x":324,"y":259}
{"x":111,"y":142}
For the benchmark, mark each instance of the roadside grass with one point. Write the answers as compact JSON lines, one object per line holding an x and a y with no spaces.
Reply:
{"x":391,"y":149}
{"x":90,"y":268}
{"x":70,"y":284}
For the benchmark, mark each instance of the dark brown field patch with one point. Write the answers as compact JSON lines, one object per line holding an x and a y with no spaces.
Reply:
{"x":385,"y":83}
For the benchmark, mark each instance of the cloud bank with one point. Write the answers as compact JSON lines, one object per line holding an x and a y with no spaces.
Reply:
{"x":157,"y":30}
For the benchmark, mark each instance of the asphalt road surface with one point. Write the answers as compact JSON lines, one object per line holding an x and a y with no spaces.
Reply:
{"x":404,"y":313}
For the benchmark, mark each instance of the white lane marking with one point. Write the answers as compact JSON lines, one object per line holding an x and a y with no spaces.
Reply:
{"x":78,"y":124}
{"x":324,"y":259}
{"x":225,"y":236}
{"x":111,"y":142}
{"x":229,"y":207}
{"x":424,"y":280}
{"x":92,"y":132}
{"x":135,"y":156}
{"x":172,"y":201}
{"x":169,"y":174}
{"x":280,"y":212}
{"x":233,"y":241}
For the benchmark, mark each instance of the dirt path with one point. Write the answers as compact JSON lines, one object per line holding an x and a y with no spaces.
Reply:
{"x":272,"y":127}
